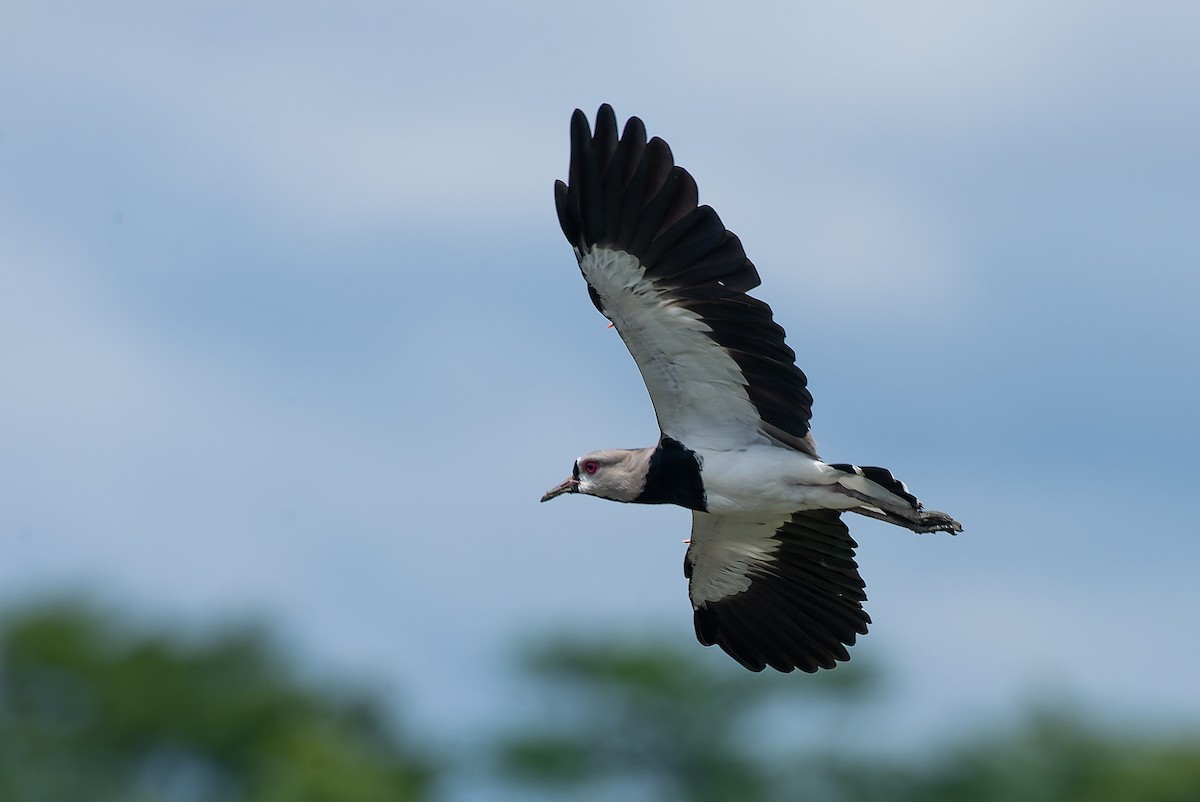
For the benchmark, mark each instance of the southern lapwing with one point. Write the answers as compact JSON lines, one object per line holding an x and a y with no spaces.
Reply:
{"x":771,"y":569}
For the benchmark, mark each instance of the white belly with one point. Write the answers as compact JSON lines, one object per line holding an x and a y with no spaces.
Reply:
{"x":769,"y":479}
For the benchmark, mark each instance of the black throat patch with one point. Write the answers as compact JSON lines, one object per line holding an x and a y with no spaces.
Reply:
{"x":674,"y":477}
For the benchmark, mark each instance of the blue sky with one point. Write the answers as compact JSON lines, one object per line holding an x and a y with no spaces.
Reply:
{"x":287,"y":325}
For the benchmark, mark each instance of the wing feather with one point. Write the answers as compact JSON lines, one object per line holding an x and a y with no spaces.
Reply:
{"x":673,"y":281}
{"x":783,"y":593}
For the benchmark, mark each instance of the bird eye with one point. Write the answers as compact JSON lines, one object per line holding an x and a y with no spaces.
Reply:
{"x":590,"y":467}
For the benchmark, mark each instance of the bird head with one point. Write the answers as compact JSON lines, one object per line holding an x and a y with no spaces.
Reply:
{"x":615,"y":474}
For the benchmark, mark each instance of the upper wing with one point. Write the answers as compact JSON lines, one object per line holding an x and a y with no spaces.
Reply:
{"x":783,"y":593}
{"x":673,"y":281}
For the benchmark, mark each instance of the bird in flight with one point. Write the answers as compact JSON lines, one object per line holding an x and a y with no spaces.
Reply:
{"x":770,"y":563}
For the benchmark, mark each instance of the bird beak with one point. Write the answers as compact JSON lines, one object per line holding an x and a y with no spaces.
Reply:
{"x":569,"y":486}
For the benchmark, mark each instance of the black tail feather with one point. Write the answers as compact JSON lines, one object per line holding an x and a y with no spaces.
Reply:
{"x":882,"y":477}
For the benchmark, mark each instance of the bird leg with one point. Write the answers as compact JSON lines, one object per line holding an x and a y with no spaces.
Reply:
{"x":928,"y":521}
{"x":916,"y":519}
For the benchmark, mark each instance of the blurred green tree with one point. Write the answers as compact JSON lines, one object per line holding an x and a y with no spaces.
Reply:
{"x":646,"y":721}
{"x":1058,"y":756}
{"x":89,"y":711}
{"x":620,"y":721}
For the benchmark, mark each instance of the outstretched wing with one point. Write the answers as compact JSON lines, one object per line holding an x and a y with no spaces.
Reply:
{"x":783,"y":593}
{"x":673,"y":281}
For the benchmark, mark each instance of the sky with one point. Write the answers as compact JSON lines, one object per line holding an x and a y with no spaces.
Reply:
{"x":288,"y":327}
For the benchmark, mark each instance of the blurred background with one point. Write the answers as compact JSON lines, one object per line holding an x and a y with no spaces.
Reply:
{"x":291,"y":344}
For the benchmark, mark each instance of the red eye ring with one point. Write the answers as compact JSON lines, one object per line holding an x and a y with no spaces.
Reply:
{"x":590,"y":467}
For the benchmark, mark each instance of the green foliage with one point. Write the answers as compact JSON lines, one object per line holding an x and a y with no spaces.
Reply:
{"x":649,"y":722}
{"x":88,"y":711}
{"x":660,"y":723}
{"x":1055,"y":756}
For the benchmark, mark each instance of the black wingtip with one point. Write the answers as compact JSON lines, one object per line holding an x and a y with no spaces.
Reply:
{"x":635,"y":130}
{"x":606,"y":119}
{"x":568,"y":221}
{"x":581,"y":147}
{"x":579,"y":121}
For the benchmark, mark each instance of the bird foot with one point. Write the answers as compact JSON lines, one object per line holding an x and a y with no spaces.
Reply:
{"x":934,"y":521}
